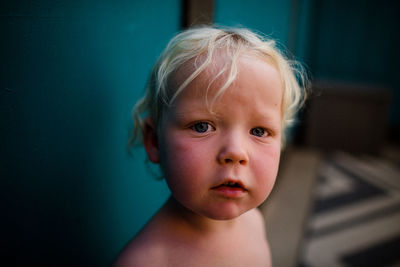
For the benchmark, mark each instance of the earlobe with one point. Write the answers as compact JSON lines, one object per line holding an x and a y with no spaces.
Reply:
{"x":150,"y":141}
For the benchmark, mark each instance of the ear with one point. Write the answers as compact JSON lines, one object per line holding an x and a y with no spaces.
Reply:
{"x":150,"y":141}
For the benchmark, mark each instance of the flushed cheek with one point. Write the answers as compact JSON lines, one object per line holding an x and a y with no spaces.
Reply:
{"x":265,"y":169}
{"x":184,"y":164}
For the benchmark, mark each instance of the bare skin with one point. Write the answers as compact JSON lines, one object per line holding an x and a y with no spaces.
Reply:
{"x":171,"y":238}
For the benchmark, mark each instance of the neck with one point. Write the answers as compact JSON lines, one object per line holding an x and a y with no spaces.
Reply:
{"x":188,"y":222}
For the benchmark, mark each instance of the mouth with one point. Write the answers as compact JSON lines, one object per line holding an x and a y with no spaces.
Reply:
{"x":230,"y":189}
{"x":232,"y":184}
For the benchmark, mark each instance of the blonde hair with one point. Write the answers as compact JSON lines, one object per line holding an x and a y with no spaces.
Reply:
{"x":199,"y":45}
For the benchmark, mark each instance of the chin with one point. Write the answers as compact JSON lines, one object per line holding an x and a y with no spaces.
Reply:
{"x":226,"y":217}
{"x":224,"y":214}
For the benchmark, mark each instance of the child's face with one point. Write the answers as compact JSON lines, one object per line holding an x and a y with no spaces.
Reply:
{"x":224,"y":163}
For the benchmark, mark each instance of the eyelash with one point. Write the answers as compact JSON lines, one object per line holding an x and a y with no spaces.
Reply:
{"x":195,"y":127}
{"x":201,"y":123}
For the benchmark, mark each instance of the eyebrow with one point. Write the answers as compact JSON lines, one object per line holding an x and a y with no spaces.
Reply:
{"x":192,"y":112}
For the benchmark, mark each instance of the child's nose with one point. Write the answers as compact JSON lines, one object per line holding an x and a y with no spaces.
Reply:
{"x":233,"y":150}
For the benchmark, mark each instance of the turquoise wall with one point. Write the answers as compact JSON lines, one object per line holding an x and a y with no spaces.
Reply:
{"x":70,"y":74}
{"x":269,"y":17}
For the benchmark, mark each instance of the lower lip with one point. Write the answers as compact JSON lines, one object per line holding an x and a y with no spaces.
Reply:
{"x":230,"y":192}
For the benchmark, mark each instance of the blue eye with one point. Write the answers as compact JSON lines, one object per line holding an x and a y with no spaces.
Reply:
{"x":201,"y":127}
{"x":258,"y":131}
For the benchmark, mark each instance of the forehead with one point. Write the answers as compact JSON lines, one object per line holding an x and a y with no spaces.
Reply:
{"x":257,"y":91}
{"x":221,"y":75}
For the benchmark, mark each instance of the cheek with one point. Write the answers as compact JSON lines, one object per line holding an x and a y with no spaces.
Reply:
{"x":180,"y":154}
{"x":265,"y":170}
{"x":183,"y":163}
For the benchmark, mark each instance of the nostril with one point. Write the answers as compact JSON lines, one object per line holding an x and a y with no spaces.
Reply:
{"x":228,"y":161}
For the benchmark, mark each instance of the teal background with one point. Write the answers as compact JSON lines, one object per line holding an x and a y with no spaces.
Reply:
{"x":70,"y":74}
{"x":268,"y":17}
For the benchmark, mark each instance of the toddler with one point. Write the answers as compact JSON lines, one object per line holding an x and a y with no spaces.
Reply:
{"x":213,"y":117}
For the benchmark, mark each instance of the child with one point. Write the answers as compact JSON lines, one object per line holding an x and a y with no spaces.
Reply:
{"x":215,"y":109}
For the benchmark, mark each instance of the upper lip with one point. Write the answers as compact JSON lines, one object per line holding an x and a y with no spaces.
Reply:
{"x":231,"y":182}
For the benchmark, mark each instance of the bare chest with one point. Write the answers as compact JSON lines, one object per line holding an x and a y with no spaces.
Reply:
{"x":251,"y":253}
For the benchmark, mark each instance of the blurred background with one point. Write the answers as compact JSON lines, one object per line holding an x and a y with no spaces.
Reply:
{"x":72,"y":70}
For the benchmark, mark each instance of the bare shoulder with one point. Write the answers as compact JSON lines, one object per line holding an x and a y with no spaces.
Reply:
{"x":140,"y":253}
{"x":148,"y":248}
{"x":145,"y":249}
